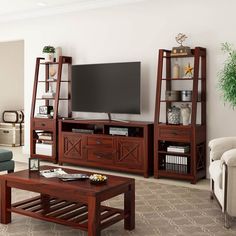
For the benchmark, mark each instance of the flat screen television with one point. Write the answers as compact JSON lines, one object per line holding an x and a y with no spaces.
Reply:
{"x":107,"y":88}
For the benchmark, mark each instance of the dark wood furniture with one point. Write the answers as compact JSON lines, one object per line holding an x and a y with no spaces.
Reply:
{"x":76,"y":204}
{"x":42,"y":83}
{"x":192,"y":135}
{"x":132,"y":153}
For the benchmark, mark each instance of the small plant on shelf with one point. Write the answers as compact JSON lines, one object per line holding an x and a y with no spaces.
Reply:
{"x":48,"y":49}
{"x":227,"y":75}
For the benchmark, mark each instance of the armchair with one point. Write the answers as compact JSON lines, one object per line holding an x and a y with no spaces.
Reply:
{"x":223,"y":174}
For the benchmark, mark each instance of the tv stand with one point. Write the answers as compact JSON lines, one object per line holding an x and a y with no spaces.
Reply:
{"x":89,"y":143}
{"x":118,"y":120}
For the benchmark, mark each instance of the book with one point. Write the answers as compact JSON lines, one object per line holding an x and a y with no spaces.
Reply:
{"x":179,"y":149}
{"x":52,"y":173}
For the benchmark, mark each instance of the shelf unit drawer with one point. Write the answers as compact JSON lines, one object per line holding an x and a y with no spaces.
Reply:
{"x":42,"y":124}
{"x":100,"y":141}
{"x":174,"y":134}
{"x":105,"y":156}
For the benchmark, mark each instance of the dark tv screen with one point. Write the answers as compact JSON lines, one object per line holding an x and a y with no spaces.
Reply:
{"x":109,"y":88}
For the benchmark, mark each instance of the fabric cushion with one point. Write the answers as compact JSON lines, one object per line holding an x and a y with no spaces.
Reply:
{"x":215,"y":170}
{"x":5,"y":155}
{"x":220,"y":145}
{"x":229,"y":157}
{"x":7,"y":165}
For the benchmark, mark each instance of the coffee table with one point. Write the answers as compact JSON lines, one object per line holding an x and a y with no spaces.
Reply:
{"x":76,"y":204}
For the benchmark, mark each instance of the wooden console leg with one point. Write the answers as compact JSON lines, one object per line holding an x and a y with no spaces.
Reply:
{"x":129,"y":208}
{"x":5,"y":198}
{"x":93,"y":216}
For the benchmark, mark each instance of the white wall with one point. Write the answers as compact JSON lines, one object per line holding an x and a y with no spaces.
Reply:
{"x":11,"y":76}
{"x":135,"y":32}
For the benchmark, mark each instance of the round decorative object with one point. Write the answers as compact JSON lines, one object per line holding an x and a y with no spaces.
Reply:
{"x":97,"y":179}
{"x":186,"y":95}
{"x":173,"y":116}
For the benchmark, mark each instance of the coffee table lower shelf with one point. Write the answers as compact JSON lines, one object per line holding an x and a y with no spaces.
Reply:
{"x":64,"y":212}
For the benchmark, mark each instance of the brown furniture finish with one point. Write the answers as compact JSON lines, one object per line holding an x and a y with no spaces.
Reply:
{"x":47,"y":124}
{"x":76,"y":204}
{"x":193,"y":135}
{"x":132,"y":153}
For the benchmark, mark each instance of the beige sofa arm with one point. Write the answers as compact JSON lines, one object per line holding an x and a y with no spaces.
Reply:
{"x":229,"y":158}
{"x":220,"y":145}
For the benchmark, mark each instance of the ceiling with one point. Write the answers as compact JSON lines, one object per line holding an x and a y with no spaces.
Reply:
{"x":22,"y":9}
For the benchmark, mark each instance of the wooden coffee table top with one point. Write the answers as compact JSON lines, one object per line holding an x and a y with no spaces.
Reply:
{"x":84,"y":187}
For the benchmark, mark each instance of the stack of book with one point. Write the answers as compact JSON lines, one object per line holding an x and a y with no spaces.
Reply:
{"x":44,"y":136}
{"x":179,"y":149}
{"x":43,"y":115}
{"x":176,"y":163}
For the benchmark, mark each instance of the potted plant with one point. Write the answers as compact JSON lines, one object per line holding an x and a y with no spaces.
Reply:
{"x":48,"y":52}
{"x":227,"y":76}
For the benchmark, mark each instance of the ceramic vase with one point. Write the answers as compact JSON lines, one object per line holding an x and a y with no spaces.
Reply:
{"x":48,"y":57}
{"x":185,"y":114}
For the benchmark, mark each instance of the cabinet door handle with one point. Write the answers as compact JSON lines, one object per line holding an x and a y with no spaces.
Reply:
{"x":98,"y":142}
{"x":5,"y":131}
{"x":175,"y":133}
{"x":43,"y":124}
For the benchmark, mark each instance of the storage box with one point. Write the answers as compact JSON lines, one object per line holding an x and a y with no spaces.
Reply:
{"x":172,"y":95}
{"x":13,"y":116}
{"x":11,"y":134}
{"x":43,"y":149}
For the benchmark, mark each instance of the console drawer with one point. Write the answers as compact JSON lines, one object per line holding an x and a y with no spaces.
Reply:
{"x":43,"y":124}
{"x":105,"y":156}
{"x":174,"y":134}
{"x":100,"y":141}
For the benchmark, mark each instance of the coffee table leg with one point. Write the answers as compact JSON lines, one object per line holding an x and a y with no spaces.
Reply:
{"x":93,"y":216}
{"x":45,"y":203}
{"x":5,"y":198}
{"x":129,"y":208}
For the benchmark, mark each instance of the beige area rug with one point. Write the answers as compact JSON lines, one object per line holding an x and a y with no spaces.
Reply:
{"x":160,"y":210}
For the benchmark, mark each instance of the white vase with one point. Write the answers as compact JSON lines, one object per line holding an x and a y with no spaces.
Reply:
{"x":48,"y":57}
{"x":176,"y":70}
{"x":185,"y":113}
{"x":58,"y":53}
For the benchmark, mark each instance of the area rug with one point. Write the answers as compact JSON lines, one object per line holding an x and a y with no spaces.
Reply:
{"x":160,"y":210}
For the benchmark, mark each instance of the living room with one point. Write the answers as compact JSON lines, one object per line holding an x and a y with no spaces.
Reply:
{"x":93,"y":32}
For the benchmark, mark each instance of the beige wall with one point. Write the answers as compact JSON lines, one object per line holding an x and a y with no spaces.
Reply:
{"x":11,"y":76}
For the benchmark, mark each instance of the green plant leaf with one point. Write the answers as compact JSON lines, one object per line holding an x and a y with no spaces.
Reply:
{"x":227,"y":75}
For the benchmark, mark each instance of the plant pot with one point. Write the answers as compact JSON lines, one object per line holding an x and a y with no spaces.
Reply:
{"x":49,"y":57}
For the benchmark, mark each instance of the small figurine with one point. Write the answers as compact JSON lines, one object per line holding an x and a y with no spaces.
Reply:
{"x":180,"y":38}
{"x":181,"y":50}
{"x":188,"y":71}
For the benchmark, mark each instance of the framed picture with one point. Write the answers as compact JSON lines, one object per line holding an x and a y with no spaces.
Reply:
{"x":34,"y":164}
{"x":45,"y":110}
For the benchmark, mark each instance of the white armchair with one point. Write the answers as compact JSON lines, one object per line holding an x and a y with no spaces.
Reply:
{"x":223,"y":174}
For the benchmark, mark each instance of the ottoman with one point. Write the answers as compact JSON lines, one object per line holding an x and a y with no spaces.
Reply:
{"x":6,"y":162}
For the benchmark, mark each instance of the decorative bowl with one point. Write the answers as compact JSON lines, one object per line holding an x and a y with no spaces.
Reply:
{"x":97,"y":179}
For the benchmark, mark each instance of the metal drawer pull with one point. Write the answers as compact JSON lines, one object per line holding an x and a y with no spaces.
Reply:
{"x":98,"y":142}
{"x":175,"y":133}
{"x":5,"y":131}
{"x":42,"y":124}
{"x":99,"y":155}
{"x":102,"y":155}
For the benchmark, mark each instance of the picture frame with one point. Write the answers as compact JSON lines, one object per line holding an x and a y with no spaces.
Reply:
{"x":45,"y":110}
{"x":34,"y":164}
